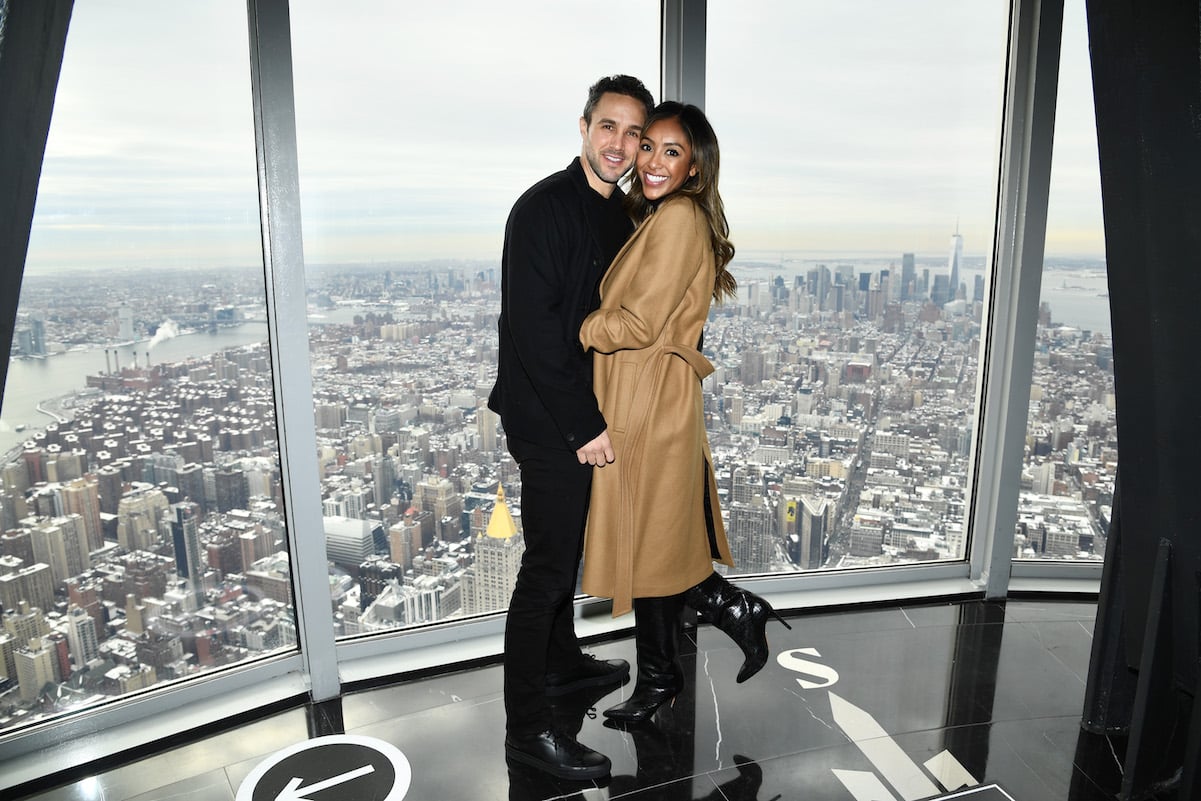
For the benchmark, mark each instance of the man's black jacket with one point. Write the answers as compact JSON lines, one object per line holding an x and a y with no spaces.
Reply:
{"x":560,"y":238}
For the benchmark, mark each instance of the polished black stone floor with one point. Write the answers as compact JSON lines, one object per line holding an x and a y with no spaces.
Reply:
{"x":971,"y":700}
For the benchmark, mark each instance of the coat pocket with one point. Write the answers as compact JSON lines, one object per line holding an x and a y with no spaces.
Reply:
{"x":622,"y":392}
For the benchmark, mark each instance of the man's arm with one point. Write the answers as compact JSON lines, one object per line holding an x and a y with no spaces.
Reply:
{"x":598,"y":452}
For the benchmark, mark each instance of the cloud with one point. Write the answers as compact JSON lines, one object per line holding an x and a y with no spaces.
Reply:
{"x":847,"y":122}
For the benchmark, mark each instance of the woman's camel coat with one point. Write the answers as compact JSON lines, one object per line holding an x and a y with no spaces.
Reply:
{"x":654,"y":525}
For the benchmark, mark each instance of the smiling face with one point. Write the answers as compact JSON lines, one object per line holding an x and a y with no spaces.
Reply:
{"x":664,"y":159}
{"x":611,"y":139}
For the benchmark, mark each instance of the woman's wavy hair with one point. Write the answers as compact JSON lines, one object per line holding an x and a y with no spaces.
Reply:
{"x":702,"y":187}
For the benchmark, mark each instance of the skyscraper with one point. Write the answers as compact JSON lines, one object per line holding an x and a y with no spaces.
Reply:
{"x":111,"y":487}
{"x":375,"y":574}
{"x":486,"y":420}
{"x":231,"y":488}
{"x":37,"y":328}
{"x":137,"y":518}
{"x":15,"y":543}
{"x":255,"y":542}
{"x":349,"y":541}
{"x":386,"y":421}
{"x":940,"y":293}
{"x":404,"y":541}
{"x":438,"y":495}
{"x":185,"y":536}
{"x":8,"y":510}
{"x":752,"y":368}
{"x":908,"y":275}
{"x":82,"y":497}
{"x":35,"y":668}
{"x":8,"y":662}
{"x":818,"y":284}
{"x":125,"y":323}
{"x":489,"y":584}
{"x":190,"y":480}
{"x":383,"y":478}
{"x":62,"y":543}
{"x":28,"y":586}
{"x":954,"y":260}
{"x":752,"y":535}
{"x":351,"y":501}
{"x":812,"y":531}
{"x":81,"y":634}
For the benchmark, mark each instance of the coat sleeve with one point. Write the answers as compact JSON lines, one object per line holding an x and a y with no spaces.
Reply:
{"x":667,"y":262}
{"x":538,"y":299}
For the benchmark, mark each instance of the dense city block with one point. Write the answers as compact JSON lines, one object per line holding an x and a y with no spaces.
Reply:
{"x":142,"y":512}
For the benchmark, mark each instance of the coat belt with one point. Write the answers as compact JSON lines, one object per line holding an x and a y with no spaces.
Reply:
{"x":700,"y":365}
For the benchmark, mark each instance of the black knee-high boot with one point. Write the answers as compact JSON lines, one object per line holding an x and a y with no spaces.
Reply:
{"x":657,"y":641}
{"x":741,"y":614}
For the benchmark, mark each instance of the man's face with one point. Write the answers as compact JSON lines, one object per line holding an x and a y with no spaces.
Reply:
{"x":611,"y":141}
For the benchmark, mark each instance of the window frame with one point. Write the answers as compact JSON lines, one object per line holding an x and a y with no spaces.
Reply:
{"x":324,"y":667}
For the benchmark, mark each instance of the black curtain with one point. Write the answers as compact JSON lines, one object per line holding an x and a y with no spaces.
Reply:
{"x":31,"y":54}
{"x":1146,"y":67}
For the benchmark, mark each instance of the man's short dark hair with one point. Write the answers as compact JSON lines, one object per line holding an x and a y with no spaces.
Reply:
{"x":621,"y":85}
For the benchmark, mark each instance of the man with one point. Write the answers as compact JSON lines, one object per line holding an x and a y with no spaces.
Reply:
{"x":561,"y":235}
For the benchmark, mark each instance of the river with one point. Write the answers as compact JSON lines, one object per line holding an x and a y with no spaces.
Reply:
{"x":30,"y":381}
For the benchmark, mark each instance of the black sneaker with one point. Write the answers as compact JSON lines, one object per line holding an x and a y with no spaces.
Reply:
{"x":568,"y":711}
{"x":558,"y":754}
{"x":588,"y":672}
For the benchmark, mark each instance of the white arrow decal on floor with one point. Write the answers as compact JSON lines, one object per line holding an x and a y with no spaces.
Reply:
{"x":291,"y":793}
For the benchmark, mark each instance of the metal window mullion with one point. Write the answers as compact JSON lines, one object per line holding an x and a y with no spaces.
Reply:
{"x":682,"y":51}
{"x":283,"y":261}
{"x":1028,"y":129}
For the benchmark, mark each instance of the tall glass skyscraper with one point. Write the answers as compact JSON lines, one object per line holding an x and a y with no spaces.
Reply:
{"x":954,"y":260}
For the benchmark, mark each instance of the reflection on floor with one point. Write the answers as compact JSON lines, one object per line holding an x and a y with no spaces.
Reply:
{"x":973,"y":700}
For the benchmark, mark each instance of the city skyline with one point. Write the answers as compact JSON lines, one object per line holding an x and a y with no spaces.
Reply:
{"x":841,"y":416}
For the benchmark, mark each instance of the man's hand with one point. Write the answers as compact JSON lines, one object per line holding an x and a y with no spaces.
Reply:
{"x":598,"y":452}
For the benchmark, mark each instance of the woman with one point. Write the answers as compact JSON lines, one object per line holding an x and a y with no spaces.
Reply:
{"x":654,"y":526}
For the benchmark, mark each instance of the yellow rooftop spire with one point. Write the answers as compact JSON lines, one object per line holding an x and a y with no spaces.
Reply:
{"x":501,"y":525}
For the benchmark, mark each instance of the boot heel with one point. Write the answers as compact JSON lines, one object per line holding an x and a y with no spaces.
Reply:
{"x":644,"y":702}
{"x":776,"y":615}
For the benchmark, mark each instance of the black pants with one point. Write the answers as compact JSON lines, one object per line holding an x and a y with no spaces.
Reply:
{"x":539,"y":629}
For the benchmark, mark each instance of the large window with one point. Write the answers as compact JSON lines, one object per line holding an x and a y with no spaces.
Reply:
{"x":140,"y":506}
{"x":859,"y":170}
{"x":411,"y":153}
{"x":1071,"y":444}
{"x":142,"y":536}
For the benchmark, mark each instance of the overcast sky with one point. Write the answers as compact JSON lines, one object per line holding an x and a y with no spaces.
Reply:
{"x":846,"y":128}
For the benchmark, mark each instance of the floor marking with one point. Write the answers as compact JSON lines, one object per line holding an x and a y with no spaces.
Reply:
{"x":881,"y":750}
{"x":864,"y":786}
{"x":949,"y":772}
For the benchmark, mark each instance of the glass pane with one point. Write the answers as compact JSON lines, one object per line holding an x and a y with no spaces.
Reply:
{"x":859,"y":171}
{"x":142,"y":530}
{"x":411,"y":155}
{"x":1071,"y":442}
